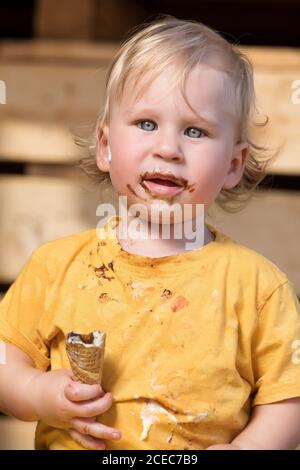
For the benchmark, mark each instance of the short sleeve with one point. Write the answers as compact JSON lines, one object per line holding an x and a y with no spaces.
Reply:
{"x":276,"y":348}
{"x":21,"y":312}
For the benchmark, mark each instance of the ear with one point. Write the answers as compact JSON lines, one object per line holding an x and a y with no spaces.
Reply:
{"x":102,"y":149}
{"x":237,"y":165}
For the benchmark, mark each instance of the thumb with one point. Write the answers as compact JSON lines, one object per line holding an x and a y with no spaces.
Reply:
{"x":76,"y":391}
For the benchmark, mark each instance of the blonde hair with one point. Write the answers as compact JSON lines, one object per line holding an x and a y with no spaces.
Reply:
{"x":166,"y":41}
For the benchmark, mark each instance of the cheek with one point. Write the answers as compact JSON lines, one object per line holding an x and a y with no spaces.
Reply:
{"x":128,"y":150}
{"x":120,"y":172}
{"x":124,"y":163}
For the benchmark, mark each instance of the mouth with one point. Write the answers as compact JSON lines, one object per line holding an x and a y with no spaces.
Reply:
{"x":163,"y":184}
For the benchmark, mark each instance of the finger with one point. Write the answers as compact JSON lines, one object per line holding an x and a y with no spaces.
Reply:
{"x":92,"y":407}
{"x":76,"y":391}
{"x":97,"y":430}
{"x":88,"y":442}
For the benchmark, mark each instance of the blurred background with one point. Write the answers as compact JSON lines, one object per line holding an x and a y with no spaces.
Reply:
{"x":54,"y":55}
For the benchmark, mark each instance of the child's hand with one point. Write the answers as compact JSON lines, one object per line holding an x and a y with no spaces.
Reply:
{"x":63,"y":403}
{"x":86,"y":430}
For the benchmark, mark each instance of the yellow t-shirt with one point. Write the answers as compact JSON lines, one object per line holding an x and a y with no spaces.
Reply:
{"x":194,"y":340}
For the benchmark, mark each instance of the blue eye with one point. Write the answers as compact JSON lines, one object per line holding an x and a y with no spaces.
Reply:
{"x":146,"y":125}
{"x":194,"y":132}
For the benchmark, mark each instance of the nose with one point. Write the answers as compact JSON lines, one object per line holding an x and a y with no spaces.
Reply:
{"x":168,"y":147}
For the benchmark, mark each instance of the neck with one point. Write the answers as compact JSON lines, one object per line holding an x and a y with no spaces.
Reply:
{"x":141,"y":237}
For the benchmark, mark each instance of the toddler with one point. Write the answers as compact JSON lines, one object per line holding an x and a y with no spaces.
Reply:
{"x":203,"y":338}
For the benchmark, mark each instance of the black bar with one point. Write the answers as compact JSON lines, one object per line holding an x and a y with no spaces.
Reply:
{"x":12,"y":168}
{"x":135,"y":459}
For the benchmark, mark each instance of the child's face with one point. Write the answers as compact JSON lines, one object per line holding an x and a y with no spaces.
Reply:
{"x":160,"y":132}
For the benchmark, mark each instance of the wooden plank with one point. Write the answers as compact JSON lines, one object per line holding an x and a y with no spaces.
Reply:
{"x":16,"y":434}
{"x":276,"y":71}
{"x":57,"y":52}
{"x":59,"y":170}
{"x":276,"y":58}
{"x":90,"y":19}
{"x":45,"y":106}
{"x":34,"y":140}
{"x":36,"y":209}
{"x":53,"y":91}
{"x":114,"y":18}
{"x":270,"y":225}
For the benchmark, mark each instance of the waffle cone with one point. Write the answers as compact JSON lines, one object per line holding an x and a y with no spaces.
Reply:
{"x":86,"y":362}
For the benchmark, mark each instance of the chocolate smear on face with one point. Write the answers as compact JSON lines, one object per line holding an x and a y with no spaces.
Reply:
{"x":190,"y":187}
{"x":154,"y":195}
{"x":181,"y":182}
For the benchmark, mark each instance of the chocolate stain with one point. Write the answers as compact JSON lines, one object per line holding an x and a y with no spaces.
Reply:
{"x":100,"y":272}
{"x":99,"y":244}
{"x":190,"y":186}
{"x":182,"y":181}
{"x":185,"y":185}
{"x":104,"y":297}
{"x":111,"y":265}
{"x":167,"y":294}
